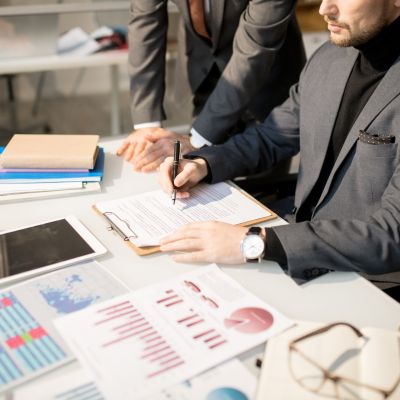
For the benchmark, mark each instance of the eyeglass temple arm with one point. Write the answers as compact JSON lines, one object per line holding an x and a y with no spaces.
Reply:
{"x":326,"y":328}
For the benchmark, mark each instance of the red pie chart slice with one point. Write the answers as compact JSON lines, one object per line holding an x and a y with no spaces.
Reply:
{"x":249,"y":320}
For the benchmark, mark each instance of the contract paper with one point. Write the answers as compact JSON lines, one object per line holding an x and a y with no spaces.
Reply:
{"x":231,"y":380}
{"x":146,"y":218}
{"x":29,"y":344}
{"x":148,"y":340}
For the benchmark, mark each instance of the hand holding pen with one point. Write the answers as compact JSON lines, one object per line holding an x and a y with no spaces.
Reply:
{"x":177,"y":175}
{"x":175,"y":166}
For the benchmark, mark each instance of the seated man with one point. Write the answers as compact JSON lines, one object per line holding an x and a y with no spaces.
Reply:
{"x":344,"y":118}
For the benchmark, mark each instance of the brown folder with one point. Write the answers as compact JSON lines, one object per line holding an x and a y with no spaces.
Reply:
{"x":50,"y":151}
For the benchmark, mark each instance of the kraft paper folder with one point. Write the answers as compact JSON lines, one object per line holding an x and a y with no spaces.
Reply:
{"x":50,"y":151}
{"x":143,"y":251}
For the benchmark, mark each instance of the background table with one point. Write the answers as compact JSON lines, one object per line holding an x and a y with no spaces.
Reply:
{"x":338,"y":296}
{"x":113,"y":59}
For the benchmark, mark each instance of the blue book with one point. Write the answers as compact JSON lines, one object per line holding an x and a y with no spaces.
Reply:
{"x":93,"y":175}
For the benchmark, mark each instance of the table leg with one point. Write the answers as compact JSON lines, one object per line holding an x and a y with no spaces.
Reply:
{"x":115,"y":115}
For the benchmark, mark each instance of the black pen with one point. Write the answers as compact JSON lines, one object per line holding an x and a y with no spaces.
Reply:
{"x":175,"y":166}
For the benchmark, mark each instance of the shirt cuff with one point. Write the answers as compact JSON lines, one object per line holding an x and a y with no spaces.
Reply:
{"x":154,"y":124}
{"x":197,"y":141}
{"x":274,"y":249}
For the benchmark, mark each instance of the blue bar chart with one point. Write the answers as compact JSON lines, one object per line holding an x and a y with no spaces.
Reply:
{"x":26,"y":340}
{"x":8,"y":369}
{"x":29,"y":344}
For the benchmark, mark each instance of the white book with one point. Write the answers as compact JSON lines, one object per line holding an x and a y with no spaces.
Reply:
{"x":89,"y":187}
{"x":11,"y":188}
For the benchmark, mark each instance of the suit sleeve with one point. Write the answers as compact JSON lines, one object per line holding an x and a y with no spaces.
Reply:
{"x":258,"y":148}
{"x":259,"y":36}
{"x":147,"y":48}
{"x":371,"y":246}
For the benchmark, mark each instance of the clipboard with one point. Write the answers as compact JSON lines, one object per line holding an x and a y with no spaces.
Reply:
{"x":128,"y":232}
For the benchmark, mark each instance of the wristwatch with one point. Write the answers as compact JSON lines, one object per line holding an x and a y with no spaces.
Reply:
{"x":252,"y":245}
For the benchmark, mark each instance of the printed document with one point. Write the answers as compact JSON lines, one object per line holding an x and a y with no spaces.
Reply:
{"x":29,"y":344}
{"x":146,"y":218}
{"x":143,"y":342}
{"x":231,"y":380}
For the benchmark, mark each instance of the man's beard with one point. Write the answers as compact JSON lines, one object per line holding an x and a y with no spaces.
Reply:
{"x":358,"y":38}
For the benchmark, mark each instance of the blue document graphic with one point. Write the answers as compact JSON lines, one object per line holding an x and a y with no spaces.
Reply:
{"x":29,"y":345}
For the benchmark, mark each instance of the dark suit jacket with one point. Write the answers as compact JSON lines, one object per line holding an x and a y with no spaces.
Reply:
{"x":356,"y":222}
{"x":256,"y":44}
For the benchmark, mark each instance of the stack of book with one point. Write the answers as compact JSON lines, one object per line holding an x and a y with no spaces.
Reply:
{"x":35,"y":165}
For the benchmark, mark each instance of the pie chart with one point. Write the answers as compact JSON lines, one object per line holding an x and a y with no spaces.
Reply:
{"x":249,"y":320}
{"x":226,"y":393}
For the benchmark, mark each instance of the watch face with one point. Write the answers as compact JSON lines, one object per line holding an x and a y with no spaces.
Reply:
{"x":253,"y":246}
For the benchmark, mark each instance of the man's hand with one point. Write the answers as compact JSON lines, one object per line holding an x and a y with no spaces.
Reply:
{"x":154,"y":154}
{"x":138,"y":141}
{"x":206,"y":242}
{"x":146,"y":148}
{"x":191,"y":172}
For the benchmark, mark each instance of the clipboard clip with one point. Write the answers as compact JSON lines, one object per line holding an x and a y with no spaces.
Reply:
{"x":114,"y":227}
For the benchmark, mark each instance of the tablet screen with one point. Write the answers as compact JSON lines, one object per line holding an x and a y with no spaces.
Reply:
{"x":39,"y":246}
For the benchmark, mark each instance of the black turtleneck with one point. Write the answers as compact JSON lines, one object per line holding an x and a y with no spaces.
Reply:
{"x":374,"y":60}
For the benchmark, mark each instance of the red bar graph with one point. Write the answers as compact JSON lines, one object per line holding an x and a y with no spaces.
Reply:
{"x":199,"y":335}
{"x":174,"y":303}
{"x":174,"y":296}
{"x":153,"y":346}
{"x":152,"y":339}
{"x":165,"y":369}
{"x":123,"y":321}
{"x":180,"y":321}
{"x":115,"y":317}
{"x":113,"y":306}
{"x":162,"y":356}
{"x":199,"y":321}
{"x":212,"y":338}
{"x":213,"y":346}
{"x":172,"y":299}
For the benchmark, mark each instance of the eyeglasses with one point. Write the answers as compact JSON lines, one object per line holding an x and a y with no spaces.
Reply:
{"x":196,"y":289}
{"x":312,"y":376}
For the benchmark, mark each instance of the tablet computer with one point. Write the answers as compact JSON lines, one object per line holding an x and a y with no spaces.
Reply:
{"x":40,"y":248}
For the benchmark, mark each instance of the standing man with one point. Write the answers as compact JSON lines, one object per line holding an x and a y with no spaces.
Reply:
{"x":241,"y":58}
{"x":344,"y":118}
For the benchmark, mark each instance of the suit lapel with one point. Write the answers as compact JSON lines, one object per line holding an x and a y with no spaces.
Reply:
{"x":341,"y":68}
{"x":385,"y":92}
{"x":217,"y":16}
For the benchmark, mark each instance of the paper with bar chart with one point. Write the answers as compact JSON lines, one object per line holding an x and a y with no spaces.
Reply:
{"x":29,"y":344}
{"x":152,"y":338}
{"x":229,"y":381}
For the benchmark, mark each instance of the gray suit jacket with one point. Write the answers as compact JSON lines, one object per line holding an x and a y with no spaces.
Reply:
{"x":356,"y":223}
{"x":256,"y":43}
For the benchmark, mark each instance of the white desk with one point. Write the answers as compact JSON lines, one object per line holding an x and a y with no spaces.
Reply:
{"x":112,"y":59}
{"x":332,"y":297}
